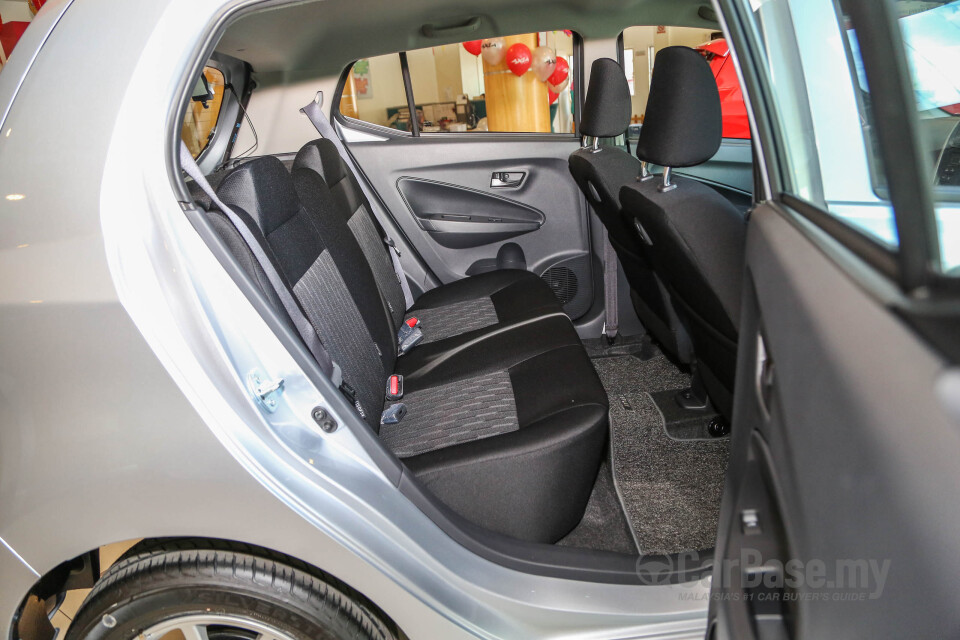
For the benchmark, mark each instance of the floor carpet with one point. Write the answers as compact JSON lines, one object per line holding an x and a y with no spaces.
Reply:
{"x":670,"y":488}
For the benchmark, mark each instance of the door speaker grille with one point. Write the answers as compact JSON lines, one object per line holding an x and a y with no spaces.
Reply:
{"x":569,"y":280}
{"x":563,"y":282}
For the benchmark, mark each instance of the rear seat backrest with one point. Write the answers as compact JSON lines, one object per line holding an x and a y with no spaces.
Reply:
{"x":263,"y":194}
{"x":330,"y":223}
{"x":321,"y":157}
{"x":488,"y":429}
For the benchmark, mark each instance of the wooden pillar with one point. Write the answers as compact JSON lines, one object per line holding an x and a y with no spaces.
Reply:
{"x":516,"y":103}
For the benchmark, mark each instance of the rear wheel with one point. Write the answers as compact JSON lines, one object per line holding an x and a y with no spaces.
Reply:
{"x":219,"y":594}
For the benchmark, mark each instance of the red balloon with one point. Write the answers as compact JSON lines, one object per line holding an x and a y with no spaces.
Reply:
{"x":473,"y":46}
{"x":553,"y":96}
{"x":561,"y":72}
{"x":519,"y":58}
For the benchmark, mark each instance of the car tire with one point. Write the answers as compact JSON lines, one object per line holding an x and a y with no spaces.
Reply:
{"x":221,"y":594}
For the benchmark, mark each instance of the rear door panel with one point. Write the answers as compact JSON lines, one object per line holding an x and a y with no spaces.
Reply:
{"x":843,"y":460}
{"x":439,"y":191}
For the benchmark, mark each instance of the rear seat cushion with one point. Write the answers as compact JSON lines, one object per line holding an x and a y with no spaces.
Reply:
{"x":482,"y":351}
{"x":448,"y":414}
{"x":526,"y":474}
{"x":515,"y":295}
{"x":440,"y":323}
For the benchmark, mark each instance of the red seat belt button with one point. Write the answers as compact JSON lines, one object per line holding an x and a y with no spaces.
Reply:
{"x":394,"y":387}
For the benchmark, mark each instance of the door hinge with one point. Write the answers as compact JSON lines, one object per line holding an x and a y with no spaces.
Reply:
{"x":265,"y":391}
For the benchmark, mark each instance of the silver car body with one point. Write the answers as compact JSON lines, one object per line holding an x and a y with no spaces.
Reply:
{"x":126,"y":350}
{"x":125,"y":407}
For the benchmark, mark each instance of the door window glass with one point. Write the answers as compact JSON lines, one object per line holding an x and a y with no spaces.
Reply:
{"x":514,"y":84}
{"x":374,"y":93}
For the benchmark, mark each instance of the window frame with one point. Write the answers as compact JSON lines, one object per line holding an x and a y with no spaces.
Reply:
{"x":898,"y":136}
{"x":346,"y":122}
{"x":238,"y":86}
{"x":903,"y":279}
{"x":884,"y":259}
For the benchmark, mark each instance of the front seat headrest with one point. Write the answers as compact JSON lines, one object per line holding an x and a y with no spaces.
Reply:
{"x":606,"y":110}
{"x":683,"y":124}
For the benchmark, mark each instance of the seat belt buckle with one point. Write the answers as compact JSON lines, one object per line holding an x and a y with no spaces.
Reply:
{"x":394,"y":413}
{"x":394,"y":387}
{"x":408,"y":337}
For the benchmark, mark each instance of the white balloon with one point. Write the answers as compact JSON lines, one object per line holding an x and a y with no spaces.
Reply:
{"x":558,"y":88}
{"x":493,"y":50}
{"x":543,"y":63}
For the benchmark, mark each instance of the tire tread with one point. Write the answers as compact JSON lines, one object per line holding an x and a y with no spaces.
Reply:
{"x":160,"y":563}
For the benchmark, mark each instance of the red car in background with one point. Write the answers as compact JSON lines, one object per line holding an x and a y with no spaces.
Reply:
{"x":735,"y":122}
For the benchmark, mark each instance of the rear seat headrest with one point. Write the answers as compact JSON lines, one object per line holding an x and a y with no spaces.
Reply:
{"x":606,"y":110}
{"x":264,"y":189}
{"x":682,"y":126}
{"x":322,"y":156}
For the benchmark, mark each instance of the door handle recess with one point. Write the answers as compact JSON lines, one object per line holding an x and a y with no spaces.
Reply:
{"x":765,"y":377}
{"x":507,"y":179}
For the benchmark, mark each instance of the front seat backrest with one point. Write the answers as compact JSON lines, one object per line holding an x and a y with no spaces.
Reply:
{"x":697,"y":236}
{"x":600,"y":172}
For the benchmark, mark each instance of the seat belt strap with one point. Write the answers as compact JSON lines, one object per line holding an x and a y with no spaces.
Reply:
{"x":300,"y":321}
{"x":611,"y":325}
{"x":314,"y":112}
{"x":398,"y":270}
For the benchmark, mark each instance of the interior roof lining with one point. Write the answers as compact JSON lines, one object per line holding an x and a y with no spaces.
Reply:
{"x":319,"y":38}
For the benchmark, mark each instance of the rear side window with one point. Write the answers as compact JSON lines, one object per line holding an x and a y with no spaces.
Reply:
{"x":640,"y":47}
{"x":515,"y":84}
{"x":374,"y":92}
{"x":200,"y":121}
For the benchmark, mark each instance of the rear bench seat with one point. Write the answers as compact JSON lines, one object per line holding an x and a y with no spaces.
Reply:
{"x":506,"y":420}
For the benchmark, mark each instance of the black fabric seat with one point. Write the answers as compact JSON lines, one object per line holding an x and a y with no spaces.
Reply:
{"x":600,"y":172}
{"x":506,"y":422}
{"x":477,"y":302}
{"x":696,"y":235}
